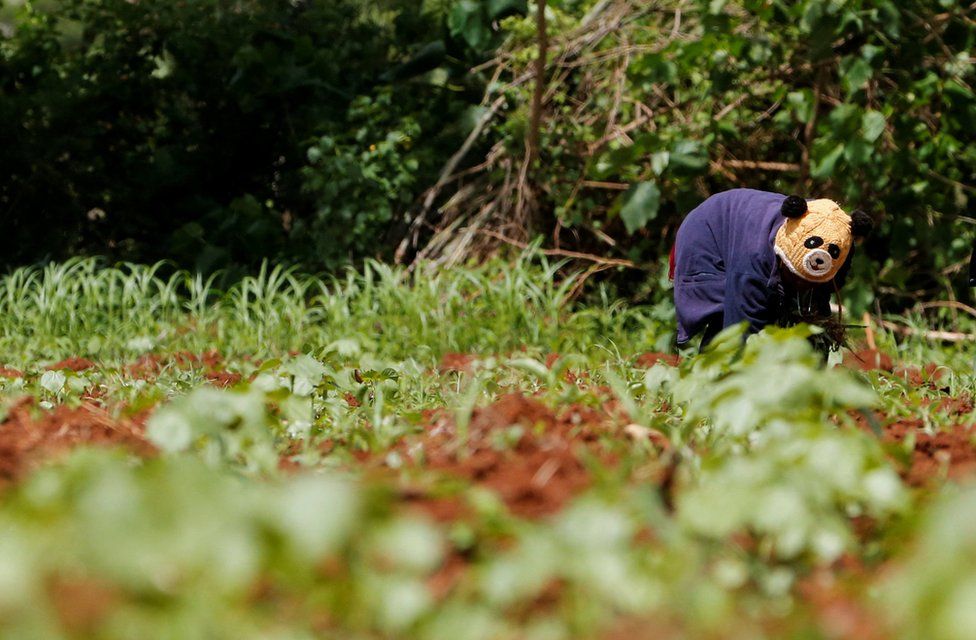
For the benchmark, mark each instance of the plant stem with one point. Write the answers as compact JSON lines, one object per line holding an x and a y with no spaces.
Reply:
{"x":532,"y":141}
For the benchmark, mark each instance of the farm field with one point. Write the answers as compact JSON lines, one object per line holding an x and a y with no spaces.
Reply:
{"x":468,"y":454}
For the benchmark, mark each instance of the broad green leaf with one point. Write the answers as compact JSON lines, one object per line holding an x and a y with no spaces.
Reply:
{"x":824,"y":167}
{"x":170,"y":431}
{"x":690,"y":155}
{"x":855,"y":73}
{"x":858,"y":152}
{"x":316,"y":515}
{"x":801,"y":102}
{"x":643,"y":202}
{"x":53,"y":381}
{"x":811,"y":15}
{"x":659,"y":161}
{"x":409,"y":545}
{"x":468,"y":21}
{"x":872,"y":125}
{"x":500,"y":8}
{"x":307,"y":373}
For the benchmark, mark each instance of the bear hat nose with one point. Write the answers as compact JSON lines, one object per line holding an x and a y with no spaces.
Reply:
{"x":817,"y":263}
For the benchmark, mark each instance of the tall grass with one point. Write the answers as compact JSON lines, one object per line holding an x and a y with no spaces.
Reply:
{"x":83,"y":307}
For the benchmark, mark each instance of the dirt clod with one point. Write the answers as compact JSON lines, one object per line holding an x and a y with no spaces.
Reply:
{"x":456,"y":363}
{"x":869,"y":360}
{"x":652,"y":358}
{"x":73,"y":364}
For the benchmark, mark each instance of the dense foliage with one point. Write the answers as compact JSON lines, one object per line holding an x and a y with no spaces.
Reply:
{"x":217,"y":132}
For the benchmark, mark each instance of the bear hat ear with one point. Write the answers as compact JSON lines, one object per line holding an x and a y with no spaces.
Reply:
{"x":861,"y":224}
{"x":794,"y":207}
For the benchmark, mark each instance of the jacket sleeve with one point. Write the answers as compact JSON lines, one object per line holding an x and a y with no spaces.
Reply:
{"x":747,"y":298}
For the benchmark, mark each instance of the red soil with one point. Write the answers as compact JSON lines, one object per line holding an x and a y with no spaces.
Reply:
{"x":27,"y":439}
{"x":868,"y":360}
{"x":652,"y":358}
{"x":223,"y":378}
{"x":633,"y":628}
{"x":835,"y":594}
{"x":74,"y":364}
{"x":949,"y":454}
{"x":519,"y":449}
{"x":918,"y":376}
{"x":150,"y":365}
{"x":82,"y":604}
{"x":448,"y":576}
{"x":7,"y":372}
{"x":456,"y":362}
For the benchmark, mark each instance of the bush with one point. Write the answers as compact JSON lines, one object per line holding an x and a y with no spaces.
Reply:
{"x":196,"y":130}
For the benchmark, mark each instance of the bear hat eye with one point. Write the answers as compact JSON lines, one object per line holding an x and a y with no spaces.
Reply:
{"x":834,"y":251}
{"x":813,"y":242}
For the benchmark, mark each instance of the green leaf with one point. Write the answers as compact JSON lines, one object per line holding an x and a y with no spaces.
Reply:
{"x":811,"y":16}
{"x":690,"y":155}
{"x":170,"y":431}
{"x":643,"y":202}
{"x":316,"y":514}
{"x":858,"y":152}
{"x":801,"y":102}
{"x":659,"y":162}
{"x":501,"y":8}
{"x":468,"y":21}
{"x":164,"y":66}
{"x":855,"y":73}
{"x":307,"y":373}
{"x":872,"y":125}
{"x":824,"y":168}
{"x":53,"y":381}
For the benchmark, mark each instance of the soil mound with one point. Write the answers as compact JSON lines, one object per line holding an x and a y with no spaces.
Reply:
{"x":74,"y":364}
{"x":869,"y":360}
{"x":456,"y":363}
{"x":949,"y":454}
{"x":520,"y":449}
{"x":27,"y":439}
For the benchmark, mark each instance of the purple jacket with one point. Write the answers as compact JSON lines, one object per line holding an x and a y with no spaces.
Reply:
{"x":725,"y":269}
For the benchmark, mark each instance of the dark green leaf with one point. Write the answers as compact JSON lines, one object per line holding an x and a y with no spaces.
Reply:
{"x":469,"y":21}
{"x":824,"y":168}
{"x":855,"y":73}
{"x":643,"y":202}
{"x":690,"y":155}
{"x":501,"y":8}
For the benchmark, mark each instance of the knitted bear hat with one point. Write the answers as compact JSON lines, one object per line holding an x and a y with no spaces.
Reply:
{"x":817,"y":236}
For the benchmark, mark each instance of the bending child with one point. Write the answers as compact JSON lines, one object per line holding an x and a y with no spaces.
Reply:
{"x":759,"y":257}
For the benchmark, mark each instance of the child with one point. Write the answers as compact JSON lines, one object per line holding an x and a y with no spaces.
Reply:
{"x":747,"y":255}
